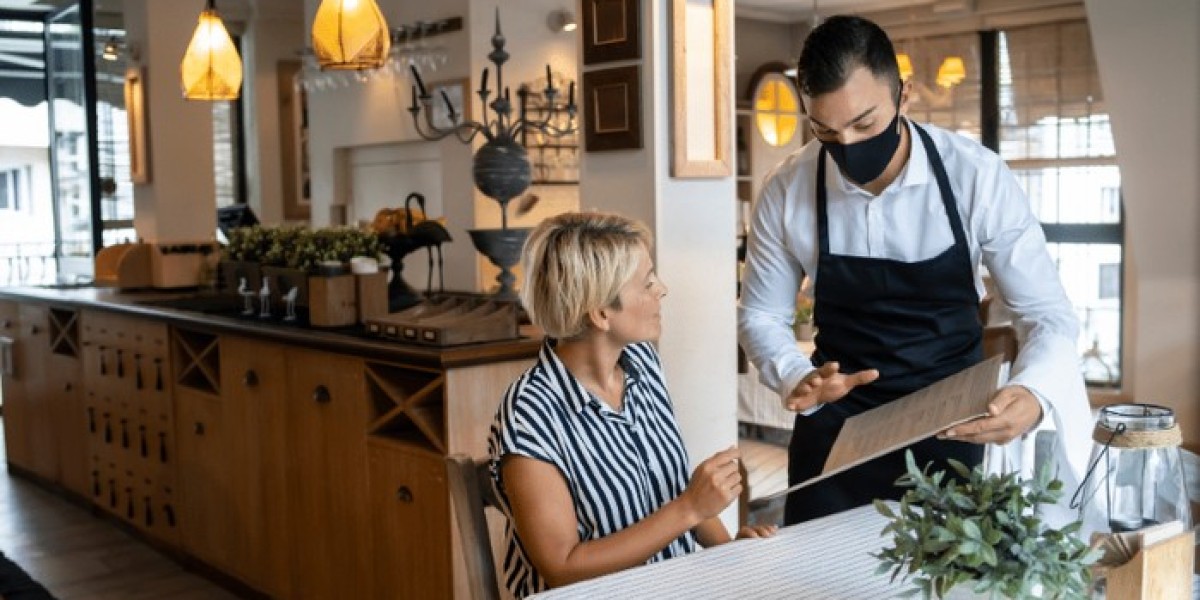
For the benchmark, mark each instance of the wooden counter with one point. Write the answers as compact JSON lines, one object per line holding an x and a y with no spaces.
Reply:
{"x":303,"y":463}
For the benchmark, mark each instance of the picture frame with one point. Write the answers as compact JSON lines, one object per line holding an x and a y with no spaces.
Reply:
{"x":611,"y":30}
{"x":612,"y":109}
{"x":702,"y":89}
{"x":293,"y":142}
{"x":136,"y":113}
{"x":458,"y":91}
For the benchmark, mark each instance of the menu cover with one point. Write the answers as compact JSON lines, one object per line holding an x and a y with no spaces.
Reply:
{"x":956,"y":399}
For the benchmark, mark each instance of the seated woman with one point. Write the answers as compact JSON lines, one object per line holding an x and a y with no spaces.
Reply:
{"x":586,"y":453}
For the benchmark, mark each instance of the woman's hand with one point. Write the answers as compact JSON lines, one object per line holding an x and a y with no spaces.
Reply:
{"x":757,"y":531}
{"x":714,"y":485}
{"x":826,"y":384}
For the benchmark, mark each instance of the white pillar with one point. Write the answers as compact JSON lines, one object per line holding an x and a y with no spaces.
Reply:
{"x":694,"y":222}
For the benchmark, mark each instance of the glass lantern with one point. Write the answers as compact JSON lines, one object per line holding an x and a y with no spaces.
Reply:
{"x":1135,"y":475}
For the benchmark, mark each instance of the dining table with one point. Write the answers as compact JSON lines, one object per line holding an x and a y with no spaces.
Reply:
{"x":825,"y":558}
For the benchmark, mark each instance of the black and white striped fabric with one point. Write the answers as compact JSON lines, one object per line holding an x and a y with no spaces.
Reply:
{"x":619,"y":466}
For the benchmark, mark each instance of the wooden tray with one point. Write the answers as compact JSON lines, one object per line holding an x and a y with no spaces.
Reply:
{"x":449,"y":321}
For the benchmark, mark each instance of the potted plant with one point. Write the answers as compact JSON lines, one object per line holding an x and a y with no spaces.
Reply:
{"x":980,"y":536}
{"x":281,"y":266}
{"x":803,"y":324}
{"x":241,"y":257}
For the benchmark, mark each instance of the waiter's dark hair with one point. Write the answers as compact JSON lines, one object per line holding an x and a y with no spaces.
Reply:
{"x":838,"y":46}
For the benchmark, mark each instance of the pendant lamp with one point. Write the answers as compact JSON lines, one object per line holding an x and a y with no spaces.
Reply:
{"x":952,"y":72}
{"x":904,"y":62}
{"x":211,"y":68}
{"x":350,"y":34}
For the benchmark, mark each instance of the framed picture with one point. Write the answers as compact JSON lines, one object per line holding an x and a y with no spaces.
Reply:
{"x":135,"y":111}
{"x":611,"y":31}
{"x":293,"y":141}
{"x":612,"y":108}
{"x":702,"y":92}
{"x":454,"y":90}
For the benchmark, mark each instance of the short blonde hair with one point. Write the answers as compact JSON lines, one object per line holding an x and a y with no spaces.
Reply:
{"x":575,"y":263}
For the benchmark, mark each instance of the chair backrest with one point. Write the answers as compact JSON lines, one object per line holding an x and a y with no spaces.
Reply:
{"x":1000,"y":339}
{"x":471,"y":492}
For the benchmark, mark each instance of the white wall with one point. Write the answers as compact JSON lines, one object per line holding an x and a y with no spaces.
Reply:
{"x":1148,"y":55}
{"x":693,"y":222}
{"x":276,"y":33}
{"x":762,"y":42}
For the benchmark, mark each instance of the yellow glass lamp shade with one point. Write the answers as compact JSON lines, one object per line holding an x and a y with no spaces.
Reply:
{"x":904,"y":62}
{"x":211,"y":68}
{"x":776,"y":109}
{"x":351,"y":35}
{"x":952,"y":72}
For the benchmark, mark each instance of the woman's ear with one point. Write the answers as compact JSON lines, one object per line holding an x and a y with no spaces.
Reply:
{"x":598,"y":317}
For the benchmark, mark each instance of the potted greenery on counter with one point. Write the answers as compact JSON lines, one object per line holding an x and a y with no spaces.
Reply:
{"x":981,"y":536}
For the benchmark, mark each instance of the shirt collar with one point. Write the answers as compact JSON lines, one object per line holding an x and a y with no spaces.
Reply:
{"x":577,"y":396}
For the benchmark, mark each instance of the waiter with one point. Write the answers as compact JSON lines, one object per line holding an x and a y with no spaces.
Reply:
{"x":891,"y":221}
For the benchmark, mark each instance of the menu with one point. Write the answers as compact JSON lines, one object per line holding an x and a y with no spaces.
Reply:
{"x":956,"y":399}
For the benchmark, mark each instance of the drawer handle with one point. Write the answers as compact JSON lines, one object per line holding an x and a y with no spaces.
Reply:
{"x":321,"y":395}
{"x":137,"y":371}
{"x":95,"y":483}
{"x":112,"y":493}
{"x":91,"y":412}
{"x":198,"y":428}
{"x":107,"y":430}
{"x":144,"y":445}
{"x":129,"y":504}
{"x":120,"y":365}
{"x":67,"y":386}
{"x":149,"y":511}
{"x":251,"y":378}
{"x":404,"y":494}
{"x":33,"y":330}
{"x":124,"y":434}
{"x":169,"y":512}
{"x":103,"y":363}
{"x":158,"y":380}
{"x":162,"y":447}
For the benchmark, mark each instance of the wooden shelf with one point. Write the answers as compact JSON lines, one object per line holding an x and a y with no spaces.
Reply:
{"x":197,"y":360}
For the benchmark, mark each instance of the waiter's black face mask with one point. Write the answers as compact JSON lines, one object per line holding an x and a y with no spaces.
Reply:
{"x":863,"y":162}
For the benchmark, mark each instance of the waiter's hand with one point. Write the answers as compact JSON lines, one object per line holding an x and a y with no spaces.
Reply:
{"x":1012,"y":412}
{"x":826,"y":384}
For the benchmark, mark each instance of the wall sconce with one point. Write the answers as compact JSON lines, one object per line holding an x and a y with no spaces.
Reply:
{"x":351,"y":35}
{"x":561,"y":21}
{"x":776,"y":109}
{"x":211,"y":68}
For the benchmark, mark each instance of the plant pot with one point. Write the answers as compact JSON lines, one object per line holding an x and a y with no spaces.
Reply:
{"x":803,"y":330}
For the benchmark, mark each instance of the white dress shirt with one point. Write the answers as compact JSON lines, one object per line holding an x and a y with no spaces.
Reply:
{"x":908,"y":222}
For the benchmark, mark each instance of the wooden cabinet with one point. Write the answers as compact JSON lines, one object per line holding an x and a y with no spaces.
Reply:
{"x":42,"y":421}
{"x":303,"y":473}
{"x":127,"y":414}
{"x":253,"y":386}
{"x":327,"y":475}
{"x":410,"y":514}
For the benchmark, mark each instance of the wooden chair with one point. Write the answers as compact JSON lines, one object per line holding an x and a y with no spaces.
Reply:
{"x":471,"y":492}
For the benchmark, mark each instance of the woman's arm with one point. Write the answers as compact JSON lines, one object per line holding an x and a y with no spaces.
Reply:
{"x":543,"y":513}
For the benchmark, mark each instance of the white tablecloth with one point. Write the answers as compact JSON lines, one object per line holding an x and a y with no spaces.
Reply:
{"x":825,"y":558}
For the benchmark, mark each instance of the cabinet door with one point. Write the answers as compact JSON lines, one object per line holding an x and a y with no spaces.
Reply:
{"x":16,"y":402}
{"x":327,"y":483}
{"x":205,"y":527}
{"x":69,"y":424}
{"x":35,"y":446}
{"x":410,"y":516}
{"x":253,"y":381}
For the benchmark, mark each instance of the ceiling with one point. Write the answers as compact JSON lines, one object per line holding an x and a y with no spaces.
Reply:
{"x":775,"y":10}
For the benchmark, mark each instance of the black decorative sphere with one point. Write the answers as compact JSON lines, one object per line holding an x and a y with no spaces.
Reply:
{"x":502,"y":169}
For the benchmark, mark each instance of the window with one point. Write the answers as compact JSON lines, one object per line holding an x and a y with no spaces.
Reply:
{"x":14,"y":189}
{"x":1056,"y":136}
{"x":229,"y":148}
{"x":1053,"y":130}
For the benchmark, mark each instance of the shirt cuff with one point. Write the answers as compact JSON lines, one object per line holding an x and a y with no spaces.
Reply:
{"x":789,"y":384}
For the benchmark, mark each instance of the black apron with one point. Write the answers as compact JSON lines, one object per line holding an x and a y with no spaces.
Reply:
{"x":916,"y":322}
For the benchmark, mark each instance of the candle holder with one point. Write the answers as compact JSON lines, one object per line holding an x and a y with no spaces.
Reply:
{"x":500,"y":168}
